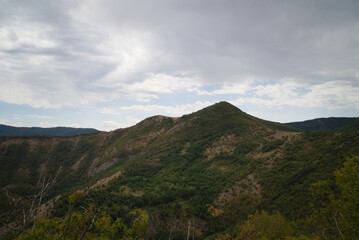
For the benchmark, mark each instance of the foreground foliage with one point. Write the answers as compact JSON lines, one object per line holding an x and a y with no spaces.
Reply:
{"x":92,"y":223}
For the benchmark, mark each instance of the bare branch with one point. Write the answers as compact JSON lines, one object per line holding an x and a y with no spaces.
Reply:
{"x":188,"y":229}
{"x":336,"y":224}
{"x":89,"y":226}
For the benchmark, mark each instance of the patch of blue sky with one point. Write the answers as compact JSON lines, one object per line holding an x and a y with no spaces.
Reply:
{"x":24,"y":114}
{"x":302,"y":91}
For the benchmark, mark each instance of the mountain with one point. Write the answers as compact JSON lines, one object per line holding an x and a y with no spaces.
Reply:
{"x":212,"y":173}
{"x":351,"y":127}
{"x":56,"y":131}
{"x":323,"y":124}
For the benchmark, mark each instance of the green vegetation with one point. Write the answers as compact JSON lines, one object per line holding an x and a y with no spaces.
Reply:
{"x":265,"y":226}
{"x":91,"y":223}
{"x":326,"y":124}
{"x":216,"y":173}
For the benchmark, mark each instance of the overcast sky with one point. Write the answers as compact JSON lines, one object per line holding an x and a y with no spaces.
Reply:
{"x":108,"y":64}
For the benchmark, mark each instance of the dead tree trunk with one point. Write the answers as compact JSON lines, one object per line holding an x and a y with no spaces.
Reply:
{"x":42,"y":187}
{"x":188,"y":229}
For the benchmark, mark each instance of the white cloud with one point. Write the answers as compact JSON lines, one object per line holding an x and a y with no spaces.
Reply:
{"x":10,"y":123}
{"x":47,"y":125}
{"x":111,"y":125}
{"x":74,"y":125}
{"x":18,"y":93}
{"x":172,"y":111}
{"x":40,"y":116}
{"x":161,"y":83}
{"x":329,"y":95}
{"x":129,"y":51}
{"x":129,"y":121}
{"x":27,"y":36}
{"x":164,"y":83}
{"x":108,"y":110}
{"x":243,"y":85}
{"x":333,"y":95}
{"x":153,"y":86}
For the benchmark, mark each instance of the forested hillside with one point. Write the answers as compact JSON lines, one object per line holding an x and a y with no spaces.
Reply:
{"x":218,"y":173}
{"x":56,"y":131}
{"x":325,"y":124}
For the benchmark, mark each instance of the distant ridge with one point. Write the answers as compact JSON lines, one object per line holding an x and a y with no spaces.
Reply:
{"x":56,"y":131}
{"x":324,"y":124}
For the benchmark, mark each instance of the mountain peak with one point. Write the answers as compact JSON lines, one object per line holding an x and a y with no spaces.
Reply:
{"x":222,"y":104}
{"x":225,"y":113}
{"x":222,"y":107}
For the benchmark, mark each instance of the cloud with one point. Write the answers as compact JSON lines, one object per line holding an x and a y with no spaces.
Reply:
{"x":329,"y":95}
{"x":130,"y":120}
{"x":156,"y":84}
{"x":108,"y":110}
{"x":244,"y":85}
{"x":172,"y":111}
{"x":10,"y":123}
{"x":163,"y":83}
{"x":108,"y":125}
{"x":333,"y":95}
{"x":47,"y":125}
{"x":40,"y":116}
{"x":56,"y":54}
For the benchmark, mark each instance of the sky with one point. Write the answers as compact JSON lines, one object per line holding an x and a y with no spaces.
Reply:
{"x":108,"y":64}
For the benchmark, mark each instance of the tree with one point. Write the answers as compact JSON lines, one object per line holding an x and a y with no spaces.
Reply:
{"x":92,"y":223}
{"x":335,"y":205}
{"x":264,"y":226}
{"x":347,"y":180}
{"x":324,"y":206}
{"x":26,"y":208}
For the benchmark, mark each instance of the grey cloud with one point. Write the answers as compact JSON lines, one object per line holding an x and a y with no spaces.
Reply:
{"x":268,"y":38}
{"x":216,"y":41}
